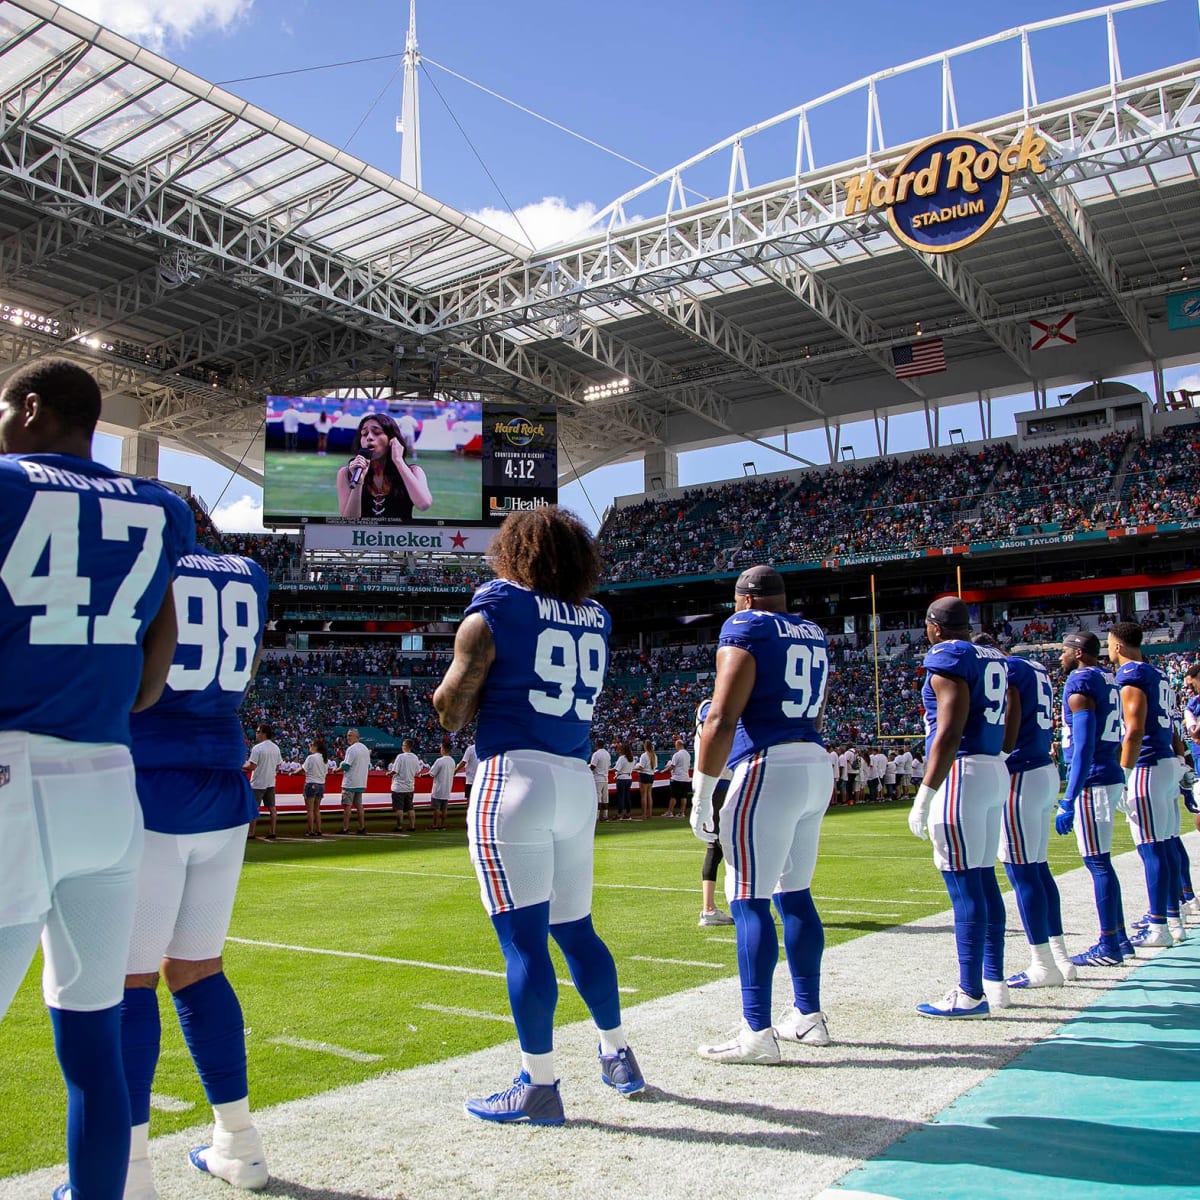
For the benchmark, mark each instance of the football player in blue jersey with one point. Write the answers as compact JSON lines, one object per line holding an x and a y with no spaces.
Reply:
{"x":764,"y":722}
{"x":529,"y":662}
{"x":961,"y":800}
{"x":87,"y":631}
{"x":1032,"y":788}
{"x":197,"y":805}
{"x":1091,"y":741}
{"x":1151,"y":768}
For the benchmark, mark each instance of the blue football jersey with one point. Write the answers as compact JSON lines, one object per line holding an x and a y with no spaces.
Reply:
{"x":1193,"y":708}
{"x":85,"y":559}
{"x":549,"y":668}
{"x":1157,"y":741}
{"x":1099,"y":686}
{"x":984,"y":670}
{"x":194,"y":730}
{"x":791,"y":661}
{"x":1036,"y":732}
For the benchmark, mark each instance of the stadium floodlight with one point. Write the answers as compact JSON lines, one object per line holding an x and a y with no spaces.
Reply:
{"x":602,"y":391}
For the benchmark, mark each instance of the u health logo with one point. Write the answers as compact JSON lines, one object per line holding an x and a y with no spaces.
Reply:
{"x":949,"y":191}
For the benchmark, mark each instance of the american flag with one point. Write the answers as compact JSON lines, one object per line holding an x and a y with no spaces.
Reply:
{"x":926,"y":357}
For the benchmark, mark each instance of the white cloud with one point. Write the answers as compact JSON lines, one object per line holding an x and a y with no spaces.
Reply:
{"x":243,"y":515}
{"x":1189,"y":383}
{"x":154,"y":23}
{"x":545,"y":222}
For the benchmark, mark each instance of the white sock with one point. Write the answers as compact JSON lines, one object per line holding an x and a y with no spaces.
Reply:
{"x":1041,"y":958}
{"x":539,"y":1067}
{"x":233,"y":1116}
{"x":1058,"y":949}
{"x":139,"y":1141}
{"x":612,"y":1040}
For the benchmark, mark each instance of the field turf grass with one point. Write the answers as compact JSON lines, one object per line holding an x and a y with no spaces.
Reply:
{"x":416,"y":899}
{"x":301,"y":484}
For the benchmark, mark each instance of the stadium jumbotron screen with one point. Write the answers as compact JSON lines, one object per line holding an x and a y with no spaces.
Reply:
{"x":404,"y":460}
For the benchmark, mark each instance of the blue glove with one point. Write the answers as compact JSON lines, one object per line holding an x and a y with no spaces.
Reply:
{"x":1064,"y":819}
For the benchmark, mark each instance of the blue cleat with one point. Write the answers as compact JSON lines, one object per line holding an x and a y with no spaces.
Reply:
{"x":1141,"y":922}
{"x":1151,"y":936}
{"x":621,"y":1071}
{"x":531,"y":1103}
{"x":1126,"y":947}
{"x":1099,"y":955}
{"x":62,"y":1192}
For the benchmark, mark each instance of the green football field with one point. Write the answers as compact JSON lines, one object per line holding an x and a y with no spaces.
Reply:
{"x":378,"y":947}
{"x":302,"y":484}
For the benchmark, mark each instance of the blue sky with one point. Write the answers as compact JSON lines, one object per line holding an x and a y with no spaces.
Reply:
{"x":655,"y":81}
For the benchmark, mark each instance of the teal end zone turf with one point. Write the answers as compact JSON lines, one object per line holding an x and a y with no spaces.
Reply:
{"x":1108,"y":1108}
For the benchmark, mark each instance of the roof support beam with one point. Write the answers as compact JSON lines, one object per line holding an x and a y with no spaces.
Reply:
{"x":822,"y":299}
{"x":682,"y":311}
{"x":1062,"y":209}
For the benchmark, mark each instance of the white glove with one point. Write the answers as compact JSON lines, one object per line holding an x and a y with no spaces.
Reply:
{"x":703,"y":787}
{"x":918,"y":817}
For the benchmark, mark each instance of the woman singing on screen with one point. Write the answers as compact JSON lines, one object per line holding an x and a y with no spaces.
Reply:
{"x":377,"y":482}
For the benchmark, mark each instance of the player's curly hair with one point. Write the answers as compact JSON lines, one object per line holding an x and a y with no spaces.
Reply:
{"x":66,"y":389}
{"x":550,"y":550}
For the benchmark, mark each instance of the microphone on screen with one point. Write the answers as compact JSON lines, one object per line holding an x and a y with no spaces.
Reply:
{"x":356,"y":476}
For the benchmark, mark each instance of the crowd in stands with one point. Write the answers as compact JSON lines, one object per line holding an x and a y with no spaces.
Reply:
{"x":926,"y":499}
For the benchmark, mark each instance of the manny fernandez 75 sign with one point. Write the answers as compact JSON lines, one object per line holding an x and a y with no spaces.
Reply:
{"x":949,"y":191}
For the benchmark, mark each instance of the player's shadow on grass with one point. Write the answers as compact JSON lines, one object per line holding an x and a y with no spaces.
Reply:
{"x":1059,"y":1148}
{"x":1156,"y":1016}
{"x":801,"y":1130}
{"x":298,"y":1191}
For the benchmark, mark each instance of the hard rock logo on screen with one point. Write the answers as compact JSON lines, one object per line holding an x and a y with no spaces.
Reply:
{"x":948,"y":191}
{"x":520,"y":432}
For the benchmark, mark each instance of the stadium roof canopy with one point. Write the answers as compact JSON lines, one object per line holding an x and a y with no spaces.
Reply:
{"x":201,"y":253}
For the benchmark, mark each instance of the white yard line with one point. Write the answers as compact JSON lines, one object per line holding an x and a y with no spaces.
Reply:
{"x":678,"y":962}
{"x":473,"y":1013}
{"x":169,"y":1104}
{"x":396,"y":962}
{"x":325,"y":1048}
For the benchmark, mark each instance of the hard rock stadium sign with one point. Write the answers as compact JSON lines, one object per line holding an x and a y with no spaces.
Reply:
{"x":949,"y":191}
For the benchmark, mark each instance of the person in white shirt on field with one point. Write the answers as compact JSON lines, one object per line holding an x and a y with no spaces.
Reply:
{"x":624,"y":780}
{"x":879,"y":762}
{"x":291,"y":426}
{"x":355,"y":766}
{"x":600,"y":761}
{"x":904,"y":770}
{"x":315,"y":770}
{"x":404,"y":770}
{"x":469,"y":765}
{"x":889,"y":776}
{"x":844,"y":775}
{"x":264,"y":762}
{"x":834,"y":761}
{"x":442,"y":773}
{"x":680,"y":766}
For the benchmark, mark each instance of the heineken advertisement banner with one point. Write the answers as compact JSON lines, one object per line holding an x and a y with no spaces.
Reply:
{"x":448,"y":539}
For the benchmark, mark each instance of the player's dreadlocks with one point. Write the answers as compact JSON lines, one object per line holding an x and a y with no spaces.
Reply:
{"x":550,"y":550}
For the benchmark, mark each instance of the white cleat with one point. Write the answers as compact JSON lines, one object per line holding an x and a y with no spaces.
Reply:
{"x":995,"y":991}
{"x":1177,"y":931}
{"x":139,"y":1181}
{"x":238,"y":1158}
{"x":1189,"y":910}
{"x":1152,"y":937}
{"x":811,"y":1029}
{"x":1036,"y":976}
{"x":715,"y":917}
{"x":745,"y":1045}
{"x":957,"y":1005}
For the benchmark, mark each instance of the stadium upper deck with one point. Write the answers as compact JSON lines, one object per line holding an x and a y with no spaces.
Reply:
{"x":198,"y":252}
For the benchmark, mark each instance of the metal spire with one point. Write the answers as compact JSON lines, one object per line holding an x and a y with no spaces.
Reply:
{"x":409,"y":125}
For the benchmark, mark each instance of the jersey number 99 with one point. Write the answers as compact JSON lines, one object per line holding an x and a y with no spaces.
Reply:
{"x":566,"y":661}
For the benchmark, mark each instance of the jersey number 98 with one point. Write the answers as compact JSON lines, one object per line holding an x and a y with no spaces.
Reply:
{"x":223,"y":625}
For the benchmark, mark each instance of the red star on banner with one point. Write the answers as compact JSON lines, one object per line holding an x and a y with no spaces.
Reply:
{"x":458,"y":541}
